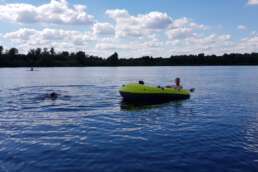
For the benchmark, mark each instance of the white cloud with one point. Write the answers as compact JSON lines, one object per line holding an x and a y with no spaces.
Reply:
{"x":148,"y":43}
{"x":140,"y":25}
{"x":31,"y":38}
{"x":113,"y":46}
{"x":208,"y":44}
{"x":154,"y":33}
{"x":241,"y":27}
{"x":248,"y":44}
{"x":211,"y":39}
{"x":180,"y":33}
{"x":155,"y":20}
{"x":186,"y":22}
{"x":183,"y":28}
{"x":198,"y":26}
{"x":253,"y":2}
{"x":134,"y":48}
{"x":103,"y":29}
{"x":117,"y":13}
{"x":181,"y":22}
{"x":56,"y":12}
{"x":152,"y":45}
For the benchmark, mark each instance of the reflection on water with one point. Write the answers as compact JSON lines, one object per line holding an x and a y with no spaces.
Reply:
{"x":88,"y":128}
{"x":129,"y":106}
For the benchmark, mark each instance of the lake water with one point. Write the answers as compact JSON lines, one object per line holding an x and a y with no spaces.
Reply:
{"x":88,"y":128}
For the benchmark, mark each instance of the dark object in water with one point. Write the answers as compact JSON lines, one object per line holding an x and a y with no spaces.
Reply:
{"x":31,"y":69}
{"x":53,"y":96}
{"x":192,"y":90}
{"x":141,"y":82}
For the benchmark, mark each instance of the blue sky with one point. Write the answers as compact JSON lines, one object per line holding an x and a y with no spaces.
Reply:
{"x":131,"y":27}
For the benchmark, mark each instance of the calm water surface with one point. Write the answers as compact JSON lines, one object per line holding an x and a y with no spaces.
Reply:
{"x":89,"y":129}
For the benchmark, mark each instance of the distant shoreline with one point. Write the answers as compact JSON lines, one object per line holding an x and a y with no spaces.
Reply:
{"x":49,"y":58}
{"x":249,"y":65}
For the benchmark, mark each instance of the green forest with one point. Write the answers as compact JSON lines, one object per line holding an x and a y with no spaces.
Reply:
{"x":50,"y":58}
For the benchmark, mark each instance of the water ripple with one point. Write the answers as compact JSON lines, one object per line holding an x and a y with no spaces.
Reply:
{"x":88,"y":128}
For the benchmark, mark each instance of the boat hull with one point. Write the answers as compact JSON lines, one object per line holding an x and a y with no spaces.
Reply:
{"x":145,"y":93}
{"x":155,"y":98}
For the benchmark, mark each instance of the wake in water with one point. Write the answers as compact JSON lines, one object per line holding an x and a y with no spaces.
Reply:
{"x":56,"y":98}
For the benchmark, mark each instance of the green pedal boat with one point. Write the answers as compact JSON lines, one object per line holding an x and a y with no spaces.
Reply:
{"x":139,"y":92}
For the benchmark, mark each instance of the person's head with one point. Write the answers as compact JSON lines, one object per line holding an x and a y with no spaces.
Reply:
{"x":177,"y":80}
{"x":53,"y":95}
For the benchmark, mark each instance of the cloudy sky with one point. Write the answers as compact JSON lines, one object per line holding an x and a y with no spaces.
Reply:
{"x":131,"y":27}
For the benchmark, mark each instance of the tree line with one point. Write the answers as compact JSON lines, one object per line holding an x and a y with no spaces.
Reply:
{"x":50,"y":58}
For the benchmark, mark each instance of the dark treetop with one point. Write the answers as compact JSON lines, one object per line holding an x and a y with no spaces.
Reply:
{"x":49,"y":58}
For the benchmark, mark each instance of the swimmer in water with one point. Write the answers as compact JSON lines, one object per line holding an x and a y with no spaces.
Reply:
{"x":52,"y":96}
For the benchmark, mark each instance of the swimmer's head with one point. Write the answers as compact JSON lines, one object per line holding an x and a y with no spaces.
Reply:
{"x":53,"y":95}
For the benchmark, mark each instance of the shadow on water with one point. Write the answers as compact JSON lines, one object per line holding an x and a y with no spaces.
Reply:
{"x":137,"y":106}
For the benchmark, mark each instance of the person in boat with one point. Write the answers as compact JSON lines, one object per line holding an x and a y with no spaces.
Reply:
{"x":178,"y":82}
{"x":177,"y":85}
